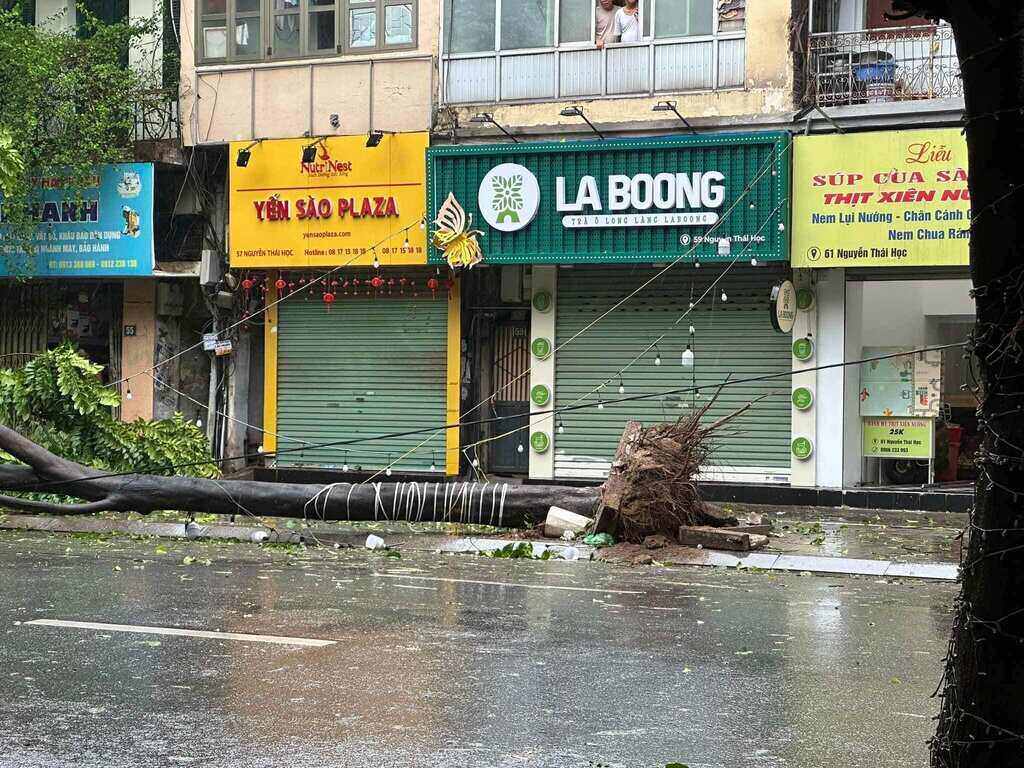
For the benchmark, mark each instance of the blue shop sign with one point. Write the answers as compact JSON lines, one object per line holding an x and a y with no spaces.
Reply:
{"x":105,"y":230}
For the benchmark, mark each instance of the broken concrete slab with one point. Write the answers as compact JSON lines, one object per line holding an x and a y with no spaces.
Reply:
{"x":560,"y":521}
{"x":720,"y":538}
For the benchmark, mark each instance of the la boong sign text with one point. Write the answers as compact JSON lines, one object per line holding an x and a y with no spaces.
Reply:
{"x":630,"y":200}
{"x":102,"y":228}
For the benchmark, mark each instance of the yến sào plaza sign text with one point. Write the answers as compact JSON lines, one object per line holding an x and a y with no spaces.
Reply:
{"x":630,"y":200}
{"x":887,"y":199}
{"x":347,"y":205}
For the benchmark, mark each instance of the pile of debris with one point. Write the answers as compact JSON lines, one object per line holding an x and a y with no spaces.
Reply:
{"x":651,"y":493}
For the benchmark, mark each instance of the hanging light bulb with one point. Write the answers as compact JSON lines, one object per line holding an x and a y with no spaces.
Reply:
{"x":476,"y":463}
{"x":692,"y":330}
{"x":753,"y":206}
{"x":128,"y":394}
{"x":724,"y":296}
{"x":519,"y":448}
{"x":423,"y":223}
{"x":657,"y":356}
{"x":687,"y":357}
{"x":782,"y":227}
{"x":692,"y":305}
{"x":344,"y":467}
{"x":199,"y":423}
{"x":622,"y":387}
{"x":600,"y":402}
{"x":561,"y":426}
{"x":405,"y":245}
{"x":696,"y":263}
{"x":376,"y":261}
{"x":259,"y":449}
{"x":433,"y":466}
{"x":388,"y":471}
{"x":753,"y":262}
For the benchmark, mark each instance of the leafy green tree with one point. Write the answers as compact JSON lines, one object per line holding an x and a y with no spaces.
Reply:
{"x":68,"y":104}
{"x":59,"y":402}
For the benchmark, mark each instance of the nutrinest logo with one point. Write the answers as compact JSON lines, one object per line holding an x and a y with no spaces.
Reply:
{"x":509,"y":197}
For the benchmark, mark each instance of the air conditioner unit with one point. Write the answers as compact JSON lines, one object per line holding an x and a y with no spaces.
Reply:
{"x":210,"y":269}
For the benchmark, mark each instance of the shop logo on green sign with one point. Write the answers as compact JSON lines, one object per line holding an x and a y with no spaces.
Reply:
{"x":540,"y":394}
{"x":541,"y":347}
{"x":802,"y":398}
{"x":804,"y":299}
{"x":542,"y":301}
{"x":803,"y":349}
{"x":509,"y":197}
{"x":540,"y":442}
{"x":802,"y":448}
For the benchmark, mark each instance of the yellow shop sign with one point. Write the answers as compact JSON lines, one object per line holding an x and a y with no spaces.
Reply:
{"x":886,"y":199}
{"x":348,"y":204}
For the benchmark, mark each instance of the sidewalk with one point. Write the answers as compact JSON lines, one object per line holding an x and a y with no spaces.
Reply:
{"x":882,"y":544}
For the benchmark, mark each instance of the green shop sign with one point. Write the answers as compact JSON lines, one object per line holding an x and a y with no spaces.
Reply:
{"x":628,"y":200}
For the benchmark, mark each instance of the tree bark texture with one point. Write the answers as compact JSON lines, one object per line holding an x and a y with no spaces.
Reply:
{"x":498,"y":504}
{"x":981,"y":722}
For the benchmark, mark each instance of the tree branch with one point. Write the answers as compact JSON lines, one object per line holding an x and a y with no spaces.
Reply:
{"x":28,"y":505}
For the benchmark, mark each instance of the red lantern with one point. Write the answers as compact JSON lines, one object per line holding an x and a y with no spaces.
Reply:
{"x":247,"y":284}
{"x":328,"y":299}
{"x":280,"y":284}
{"x":377,"y":282}
{"x":432,"y":284}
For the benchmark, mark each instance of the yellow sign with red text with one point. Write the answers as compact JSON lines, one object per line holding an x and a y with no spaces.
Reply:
{"x":348,"y":205}
{"x":885,"y":199}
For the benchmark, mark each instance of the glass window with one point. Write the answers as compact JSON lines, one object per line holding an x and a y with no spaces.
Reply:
{"x":575,"y":18}
{"x":398,"y":24}
{"x":247,"y":37}
{"x":469,"y":26}
{"x":527,"y":24}
{"x":682,"y":18}
{"x":215,"y":39}
{"x":214,"y":7}
{"x":321,"y":31}
{"x":247,"y":6}
{"x":363,"y":28}
{"x":286,"y":35}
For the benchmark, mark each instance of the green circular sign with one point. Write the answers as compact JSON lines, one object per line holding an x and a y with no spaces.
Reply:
{"x":540,"y":394}
{"x":803,"y":349}
{"x":542,"y":301}
{"x":540,"y":442}
{"x":804,"y":299}
{"x":802,"y":398}
{"x":541,"y":347}
{"x":802,"y":448}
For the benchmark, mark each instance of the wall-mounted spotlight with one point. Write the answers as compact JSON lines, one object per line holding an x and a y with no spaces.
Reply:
{"x":245,"y":153}
{"x":309,"y":152}
{"x":374,"y":138}
{"x":487,"y":117}
{"x":670,"y":106}
{"x":578,"y":112}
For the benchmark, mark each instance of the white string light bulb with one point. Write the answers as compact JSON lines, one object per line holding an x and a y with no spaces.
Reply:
{"x":519,"y":448}
{"x":687,"y":359}
{"x":376,"y":261}
{"x":657,"y":358}
{"x":753,"y":262}
{"x":724,"y":296}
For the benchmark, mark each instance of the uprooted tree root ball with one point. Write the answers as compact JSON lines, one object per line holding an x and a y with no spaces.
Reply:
{"x":652,"y":488}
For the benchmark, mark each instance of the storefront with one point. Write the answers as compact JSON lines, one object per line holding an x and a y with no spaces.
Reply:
{"x":627,"y":267}
{"x":361,"y":337}
{"x":91,"y":258}
{"x":881,"y":237}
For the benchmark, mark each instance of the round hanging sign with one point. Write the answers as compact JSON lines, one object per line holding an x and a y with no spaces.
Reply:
{"x":541,"y":347}
{"x":802,"y":448}
{"x":802,"y":398}
{"x":803,"y":349}
{"x":783,"y":307}
{"x":540,"y":394}
{"x":540,"y":442}
{"x":805,"y":299}
{"x":542,"y":301}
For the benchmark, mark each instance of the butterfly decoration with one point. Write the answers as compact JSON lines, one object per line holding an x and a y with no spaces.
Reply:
{"x":452,"y":236}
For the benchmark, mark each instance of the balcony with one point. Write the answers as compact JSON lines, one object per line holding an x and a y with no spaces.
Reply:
{"x":156,"y":116}
{"x":568,"y":72}
{"x":883,"y":65}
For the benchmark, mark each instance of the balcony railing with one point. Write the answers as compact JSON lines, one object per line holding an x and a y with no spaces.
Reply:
{"x":156,"y":116}
{"x":623,"y":69}
{"x":879,"y":65}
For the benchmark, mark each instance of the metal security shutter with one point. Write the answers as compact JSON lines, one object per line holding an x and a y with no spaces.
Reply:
{"x":364,"y":368}
{"x":733,"y":338}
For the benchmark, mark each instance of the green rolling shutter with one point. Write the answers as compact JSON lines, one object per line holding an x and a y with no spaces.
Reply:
{"x":365,"y":367}
{"x":734,"y":338}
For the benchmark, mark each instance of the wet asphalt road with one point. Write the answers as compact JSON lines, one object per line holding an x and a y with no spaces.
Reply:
{"x":623,"y":667}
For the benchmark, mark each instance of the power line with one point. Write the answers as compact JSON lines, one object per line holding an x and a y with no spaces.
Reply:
{"x":728,"y":382}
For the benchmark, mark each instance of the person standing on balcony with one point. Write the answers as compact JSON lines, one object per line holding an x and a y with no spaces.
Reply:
{"x":605,"y":22}
{"x":628,"y":28}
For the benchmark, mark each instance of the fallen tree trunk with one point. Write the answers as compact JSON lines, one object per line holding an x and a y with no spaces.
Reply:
{"x":498,"y":504}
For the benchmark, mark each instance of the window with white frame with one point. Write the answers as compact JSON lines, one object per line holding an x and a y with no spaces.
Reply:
{"x":476,"y":26}
{"x":535,"y":50}
{"x":270,"y":30}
